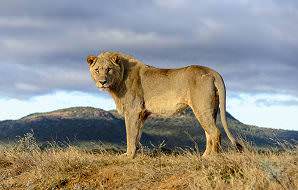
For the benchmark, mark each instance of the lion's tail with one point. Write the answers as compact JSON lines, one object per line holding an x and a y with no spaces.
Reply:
{"x":220,"y":85}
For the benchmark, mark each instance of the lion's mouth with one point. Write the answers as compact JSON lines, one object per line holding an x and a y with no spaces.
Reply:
{"x":101,"y":86}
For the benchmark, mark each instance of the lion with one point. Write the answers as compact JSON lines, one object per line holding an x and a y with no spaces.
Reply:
{"x":140,"y":90}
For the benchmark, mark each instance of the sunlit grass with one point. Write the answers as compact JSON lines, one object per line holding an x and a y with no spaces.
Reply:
{"x":26,"y":166}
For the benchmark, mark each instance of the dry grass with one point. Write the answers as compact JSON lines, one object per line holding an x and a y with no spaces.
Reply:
{"x":25,"y":166}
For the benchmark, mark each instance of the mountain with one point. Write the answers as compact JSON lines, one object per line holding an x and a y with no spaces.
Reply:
{"x":86,"y":124}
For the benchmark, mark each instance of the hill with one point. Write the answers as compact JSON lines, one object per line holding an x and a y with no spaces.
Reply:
{"x":86,"y":124}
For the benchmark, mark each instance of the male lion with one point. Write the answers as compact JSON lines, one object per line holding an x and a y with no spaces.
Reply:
{"x":139,"y":90}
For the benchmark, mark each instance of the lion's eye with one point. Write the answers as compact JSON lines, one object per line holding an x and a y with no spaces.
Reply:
{"x":109,"y":70}
{"x":96,"y":70}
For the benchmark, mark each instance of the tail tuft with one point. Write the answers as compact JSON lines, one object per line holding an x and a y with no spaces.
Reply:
{"x":239,"y":147}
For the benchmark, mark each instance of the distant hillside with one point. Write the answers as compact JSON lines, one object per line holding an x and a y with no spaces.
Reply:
{"x":92,"y":124}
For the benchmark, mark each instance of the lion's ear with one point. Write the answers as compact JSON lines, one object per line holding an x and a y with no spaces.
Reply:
{"x":91,"y":60}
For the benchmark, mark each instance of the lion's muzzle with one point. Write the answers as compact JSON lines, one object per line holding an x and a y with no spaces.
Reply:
{"x":103,"y":84}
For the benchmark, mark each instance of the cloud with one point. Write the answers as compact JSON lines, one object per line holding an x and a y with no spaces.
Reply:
{"x":265,"y":110}
{"x":21,"y":23}
{"x":27,"y":81}
{"x":276,"y":100}
{"x":43,"y":44}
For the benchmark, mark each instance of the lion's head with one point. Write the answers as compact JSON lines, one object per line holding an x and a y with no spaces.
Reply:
{"x":106,"y":69}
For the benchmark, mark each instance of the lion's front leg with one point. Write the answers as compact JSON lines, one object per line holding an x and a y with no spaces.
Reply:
{"x":133,"y":125}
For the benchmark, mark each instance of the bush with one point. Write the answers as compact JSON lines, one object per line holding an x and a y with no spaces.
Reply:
{"x":27,"y":143}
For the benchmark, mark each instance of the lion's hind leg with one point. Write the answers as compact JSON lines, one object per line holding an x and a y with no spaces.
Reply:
{"x":213,"y":136}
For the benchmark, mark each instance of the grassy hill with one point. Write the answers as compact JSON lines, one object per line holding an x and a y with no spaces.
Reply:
{"x":28,"y":167}
{"x":86,"y":124}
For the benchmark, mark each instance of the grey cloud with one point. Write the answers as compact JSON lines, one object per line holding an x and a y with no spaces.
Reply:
{"x":265,"y":102}
{"x":27,"y":81}
{"x":43,"y":44}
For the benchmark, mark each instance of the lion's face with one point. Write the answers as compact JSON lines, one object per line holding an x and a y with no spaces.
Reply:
{"x":106,"y":70}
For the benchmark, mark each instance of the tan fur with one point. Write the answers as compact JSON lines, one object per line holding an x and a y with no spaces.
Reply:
{"x":140,"y":90}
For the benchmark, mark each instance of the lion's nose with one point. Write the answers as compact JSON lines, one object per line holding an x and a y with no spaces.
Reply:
{"x":102,"y":82}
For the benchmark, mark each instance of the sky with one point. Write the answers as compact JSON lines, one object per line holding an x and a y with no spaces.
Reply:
{"x":252,"y":43}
